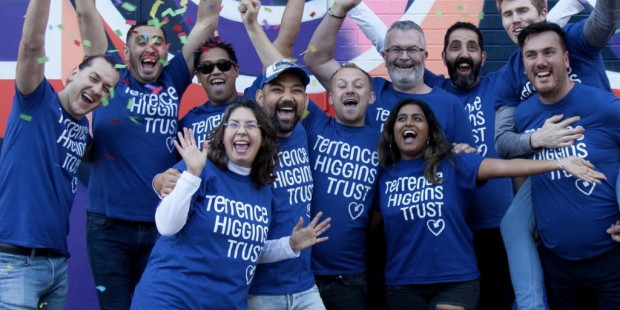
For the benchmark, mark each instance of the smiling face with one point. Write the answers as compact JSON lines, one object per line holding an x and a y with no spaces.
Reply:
{"x":284,"y":101}
{"x":546,"y":65}
{"x":242,"y":144}
{"x":406,"y":70}
{"x":88,"y":87}
{"x":411,"y":131}
{"x":146,"y":52}
{"x":518,"y":14}
{"x":351,"y":93}
{"x":463,"y":57}
{"x":219,"y":85}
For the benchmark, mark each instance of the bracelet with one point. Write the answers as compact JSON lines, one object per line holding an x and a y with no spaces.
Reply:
{"x":329,"y":11}
{"x":560,"y":164}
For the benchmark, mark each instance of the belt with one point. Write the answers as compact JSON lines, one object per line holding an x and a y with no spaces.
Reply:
{"x":20,"y":250}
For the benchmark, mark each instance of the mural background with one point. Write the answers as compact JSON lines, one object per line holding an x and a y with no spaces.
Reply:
{"x":64,"y":50}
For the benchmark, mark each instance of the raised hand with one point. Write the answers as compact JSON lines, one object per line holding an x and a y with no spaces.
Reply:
{"x":346,"y":5}
{"x":249,"y":10}
{"x":308,"y":236}
{"x":194,"y":158}
{"x":582,"y":169}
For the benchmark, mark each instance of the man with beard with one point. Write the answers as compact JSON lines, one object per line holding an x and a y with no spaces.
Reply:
{"x":404,"y":56}
{"x":132,"y":142}
{"x":463,"y":54}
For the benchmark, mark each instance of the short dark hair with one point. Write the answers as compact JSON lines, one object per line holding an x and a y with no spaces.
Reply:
{"x":541,"y":27}
{"x":215,"y":43}
{"x":266,"y":160}
{"x":466,"y":26}
{"x":436,"y":149}
{"x":141,"y":23}
{"x":88,"y":60}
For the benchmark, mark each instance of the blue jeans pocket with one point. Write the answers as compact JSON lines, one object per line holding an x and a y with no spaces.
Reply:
{"x":97,"y":222}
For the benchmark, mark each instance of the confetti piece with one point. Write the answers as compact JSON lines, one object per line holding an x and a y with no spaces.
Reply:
{"x":25,"y":117}
{"x":110,"y":157}
{"x":460,"y":7}
{"x":104,"y":101}
{"x":312,"y":14}
{"x":118,"y":32}
{"x":9,"y":267}
{"x":312,"y":48}
{"x":111,"y":51}
{"x":133,"y":119}
{"x":111,"y":92}
{"x":128,"y":6}
{"x":60,"y":26}
{"x":115,"y":121}
{"x":50,"y":27}
{"x":617,"y":31}
{"x":305,"y":114}
{"x":154,"y":8}
{"x":183,"y":3}
{"x":151,"y":87}
{"x":180,"y":11}
{"x":130,"y":22}
{"x":43,"y":304}
{"x":464,"y":15}
{"x":126,"y":81}
{"x":77,"y":43}
{"x":183,"y":40}
{"x":481,"y":15}
{"x":177,"y":28}
{"x":130,"y":104}
{"x":100,"y":288}
{"x":86,"y":42}
{"x":120,"y":66}
{"x":267,"y":9}
{"x":167,"y":12}
{"x":438,"y":14}
{"x":42,"y":59}
{"x":163,"y":62}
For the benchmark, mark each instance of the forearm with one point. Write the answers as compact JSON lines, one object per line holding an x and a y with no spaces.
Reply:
{"x":266,"y":51}
{"x":509,"y":143}
{"x":206,"y":24}
{"x":91,"y":28}
{"x":171,"y":214}
{"x":277,"y":250}
{"x":371,"y":25}
{"x":518,"y":167}
{"x":30,"y":69}
{"x":601,"y":24}
{"x":289,"y":27}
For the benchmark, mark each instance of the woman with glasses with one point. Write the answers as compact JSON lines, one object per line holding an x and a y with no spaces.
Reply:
{"x":214,"y":223}
{"x":423,"y":197}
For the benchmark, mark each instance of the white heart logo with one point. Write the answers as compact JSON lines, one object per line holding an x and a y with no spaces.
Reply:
{"x":585,"y":187}
{"x":436,"y":227}
{"x":169,"y":144}
{"x":249,"y":273}
{"x":355,"y":210}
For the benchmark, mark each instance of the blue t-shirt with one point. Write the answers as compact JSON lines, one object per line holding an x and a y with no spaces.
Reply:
{"x":292,"y":194}
{"x":428,"y":240}
{"x":203,"y":119}
{"x":586,"y":67}
{"x":447,"y":108}
{"x":572,"y":216}
{"x":345,"y":167}
{"x":490,"y":201}
{"x":42,"y":149}
{"x":210,"y":262}
{"x":132,"y":139}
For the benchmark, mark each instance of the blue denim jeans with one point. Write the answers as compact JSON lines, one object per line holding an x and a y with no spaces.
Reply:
{"x":28,"y":282}
{"x":428,"y":296}
{"x":343,"y":292}
{"x":306,"y":300}
{"x":518,"y":233}
{"x":118,"y":252}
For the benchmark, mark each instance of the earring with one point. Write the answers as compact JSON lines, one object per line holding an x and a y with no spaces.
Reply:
{"x":427,"y":141}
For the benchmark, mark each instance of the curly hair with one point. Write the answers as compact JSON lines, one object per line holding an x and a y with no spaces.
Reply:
{"x":436,"y":149}
{"x":266,"y":160}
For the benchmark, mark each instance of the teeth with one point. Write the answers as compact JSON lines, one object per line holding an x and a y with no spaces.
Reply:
{"x":88,"y":97}
{"x":409,"y":133}
{"x":464,"y":65}
{"x":286,"y":109}
{"x":217,"y":81}
{"x":543,"y":74}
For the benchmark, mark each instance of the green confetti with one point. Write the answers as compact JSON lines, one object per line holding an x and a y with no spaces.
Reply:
{"x":168,"y":11}
{"x":154,"y":22}
{"x":120,"y":66}
{"x":183,"y":39}
{"x":130,"y":104}
{"x":118,"y":32}
{"x":86,"y":42}
{"x":617,"y":31}
{"x":133,"y":119}
{"x":25,"y":117}
{"x":481,"y":15}
{"x":438,"y":14}
{"x":104,"y":101}
{"x":460,"y":7}
{"x":163,"y":62}
{"x":43,"y":59}
{"x":128,"y":6}
{"x":181,"y":10}
{"x":111,"y":92}
{"x":60,"y":26}
{"x":111,"y":51}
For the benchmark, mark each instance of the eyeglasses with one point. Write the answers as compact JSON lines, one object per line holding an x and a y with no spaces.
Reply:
{"x":223,"y":65}
{"x":397,"y":51}
{"x":235,"y":126}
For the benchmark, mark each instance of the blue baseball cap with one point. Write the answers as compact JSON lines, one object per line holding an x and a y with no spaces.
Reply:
{"x":274,"y":70}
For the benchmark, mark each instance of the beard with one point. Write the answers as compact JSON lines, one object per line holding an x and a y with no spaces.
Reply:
{"x":406,"y":80}
{"x":284,"y":126}
{"x":463,"y":81}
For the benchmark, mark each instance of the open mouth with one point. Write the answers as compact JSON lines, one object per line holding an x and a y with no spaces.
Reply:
{"x":148,"y":62}
{"x":464,"y":67}
{"x":409,"y":135}
{"x":543,"y":74}
{"x":286,"y":111}
{"x":87,"y":97}
{"x":350,"y":103}
{"x":241,"y":146}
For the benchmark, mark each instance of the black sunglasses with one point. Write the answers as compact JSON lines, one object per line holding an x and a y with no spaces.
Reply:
{"x":222,"y":65}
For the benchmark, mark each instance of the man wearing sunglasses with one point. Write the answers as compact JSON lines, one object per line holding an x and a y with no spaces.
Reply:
{"x":132,"y":141}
